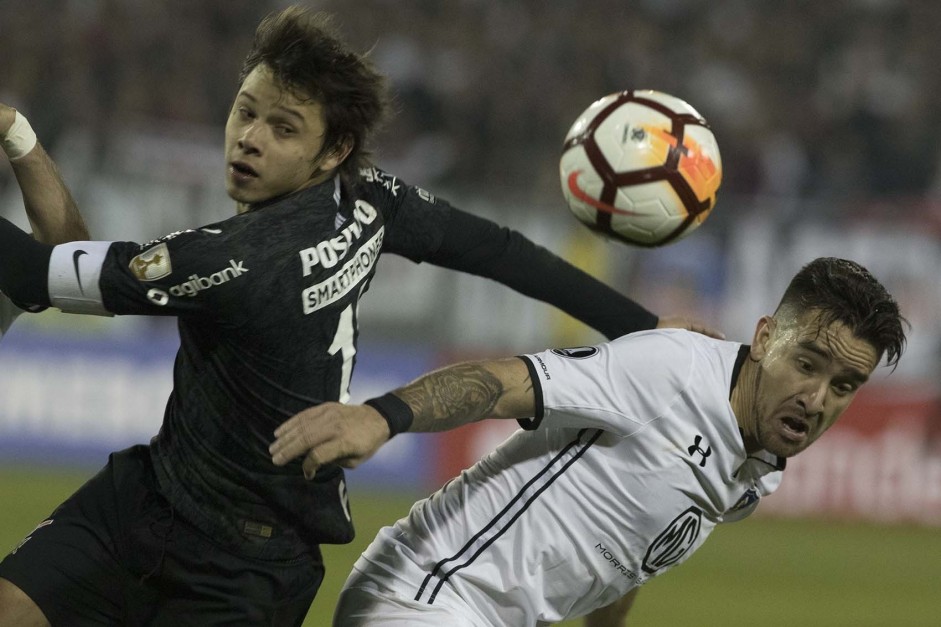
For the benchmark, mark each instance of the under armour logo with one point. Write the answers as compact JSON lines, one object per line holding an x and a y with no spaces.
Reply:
{"x":696,"y":449}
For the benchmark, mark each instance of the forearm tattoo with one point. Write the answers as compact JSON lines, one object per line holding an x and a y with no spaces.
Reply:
{"x":451,"y":397}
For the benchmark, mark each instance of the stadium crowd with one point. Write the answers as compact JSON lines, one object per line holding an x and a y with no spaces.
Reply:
{"x":808,"y":98}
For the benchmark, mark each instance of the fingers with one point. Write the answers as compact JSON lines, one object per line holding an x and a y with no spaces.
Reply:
{"x":330,"y":453}
{"x":691,"y":324}
{"x":705,"y":330}
{"x":299,"y":434}
{"x":311,"y":465}
{"x":331,"y":433}
{"x":327,"y":453}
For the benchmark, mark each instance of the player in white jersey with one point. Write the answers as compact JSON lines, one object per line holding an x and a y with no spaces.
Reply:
{"x":622,"y":480}
{"x":632,"y":452}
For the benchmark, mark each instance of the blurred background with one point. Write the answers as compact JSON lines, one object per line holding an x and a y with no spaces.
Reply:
{"x":828,"y":116}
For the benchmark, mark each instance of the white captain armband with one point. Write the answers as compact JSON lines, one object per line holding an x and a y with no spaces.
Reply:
{"x":74,"y":272}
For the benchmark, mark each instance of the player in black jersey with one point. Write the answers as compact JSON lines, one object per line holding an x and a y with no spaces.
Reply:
{"x":200,"y":527}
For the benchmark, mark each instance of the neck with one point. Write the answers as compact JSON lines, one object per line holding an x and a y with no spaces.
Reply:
{"x":744,"y":397}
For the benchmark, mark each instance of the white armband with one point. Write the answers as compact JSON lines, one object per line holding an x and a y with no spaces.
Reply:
{"x":20,"y":139}
{"x":74,"y":272}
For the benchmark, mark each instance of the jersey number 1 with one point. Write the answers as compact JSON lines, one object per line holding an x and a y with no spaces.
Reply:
{"x":343,"y":344}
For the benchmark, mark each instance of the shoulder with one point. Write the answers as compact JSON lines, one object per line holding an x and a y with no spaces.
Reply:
{"x":646,"y":364}
{"x":617,"y":385}
{"x":671,"y":347}
{"x":657,"y":359}
{"x":376,"y":182}
{"x":661,"y":349}
{"x":210,"y":248}
{"x":671,"y":361}
{"x":380,"y":186}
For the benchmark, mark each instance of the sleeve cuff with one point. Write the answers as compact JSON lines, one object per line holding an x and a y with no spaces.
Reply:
{"x":531,"y":424}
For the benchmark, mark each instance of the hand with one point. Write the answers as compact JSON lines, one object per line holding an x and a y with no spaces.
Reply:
{"x":691,"y":324}
{"x":329,"y":433}
{"x":7,"y":116}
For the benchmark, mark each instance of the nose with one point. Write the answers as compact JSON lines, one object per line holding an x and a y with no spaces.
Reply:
{"x":250,"y":140}
{"x":814,"y":397}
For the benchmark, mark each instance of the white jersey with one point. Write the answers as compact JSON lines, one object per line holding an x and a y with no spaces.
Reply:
{"x":8,"y":311}
{"x":633,"y":457}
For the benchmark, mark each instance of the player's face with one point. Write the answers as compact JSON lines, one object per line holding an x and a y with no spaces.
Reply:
{"x":272,"y":139}
{"x":806,"y":378}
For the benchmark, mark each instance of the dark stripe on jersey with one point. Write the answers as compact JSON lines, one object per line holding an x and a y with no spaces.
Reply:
{"x":737,"y":368}
{"x":577,"y":443}
{"x":531,"y":424}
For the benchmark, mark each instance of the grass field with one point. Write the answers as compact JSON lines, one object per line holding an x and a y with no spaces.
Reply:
{"x":758,"y":572}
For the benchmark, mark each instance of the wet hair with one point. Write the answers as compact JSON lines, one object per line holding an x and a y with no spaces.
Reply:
{"x":307,"y":57}
{"x":839,"y":290}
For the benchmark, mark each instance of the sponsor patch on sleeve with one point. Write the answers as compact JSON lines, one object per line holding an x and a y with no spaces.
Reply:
{"x":577,"y":352}
{"x":152,"y":264}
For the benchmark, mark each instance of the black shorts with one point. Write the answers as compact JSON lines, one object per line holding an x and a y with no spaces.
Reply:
{"x":115,"y":553}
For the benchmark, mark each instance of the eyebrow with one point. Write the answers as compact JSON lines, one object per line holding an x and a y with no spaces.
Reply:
{"x":291,"y":112}
{"x":851,"y":373}
{"x":813,"y":347}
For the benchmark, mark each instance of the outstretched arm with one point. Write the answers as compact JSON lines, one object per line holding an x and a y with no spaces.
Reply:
{"x":52,"y":212}
{"x":444,"y":399}
{"x":478,"y":246}
{"x":468,"y":392}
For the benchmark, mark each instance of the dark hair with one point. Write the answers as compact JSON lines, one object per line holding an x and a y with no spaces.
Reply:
{"x":307,"y":57}
{"x":843,"y":291}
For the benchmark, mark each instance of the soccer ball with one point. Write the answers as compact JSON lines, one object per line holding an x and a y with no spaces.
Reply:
{"x":641,"y":167}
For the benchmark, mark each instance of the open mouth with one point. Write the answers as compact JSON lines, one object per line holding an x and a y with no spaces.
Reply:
{"x":795,"y":428}
{"x":242,"y":170}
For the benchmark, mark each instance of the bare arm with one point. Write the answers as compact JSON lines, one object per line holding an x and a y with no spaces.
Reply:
{"x":614,"y":615}
{"x":444,"y":399}
{"x":52,"y":212}
{"x":468,"y":392}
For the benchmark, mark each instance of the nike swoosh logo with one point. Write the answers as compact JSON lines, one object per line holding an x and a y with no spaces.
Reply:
{"x":75,"y":256}
{"x":212,"y":231}
{"x":583,"y":196}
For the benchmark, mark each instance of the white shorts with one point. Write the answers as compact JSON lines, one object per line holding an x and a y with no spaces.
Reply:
{"x":364,"y":605}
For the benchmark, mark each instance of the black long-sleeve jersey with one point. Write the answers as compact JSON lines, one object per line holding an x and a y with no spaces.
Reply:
{"x":267,"y":309}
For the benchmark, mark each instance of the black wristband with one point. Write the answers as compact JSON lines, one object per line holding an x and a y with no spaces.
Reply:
{"x":396,"y":412}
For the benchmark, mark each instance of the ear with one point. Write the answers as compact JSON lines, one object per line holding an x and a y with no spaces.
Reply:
{"x":764,"y":330}
{"x":338,"y":155}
